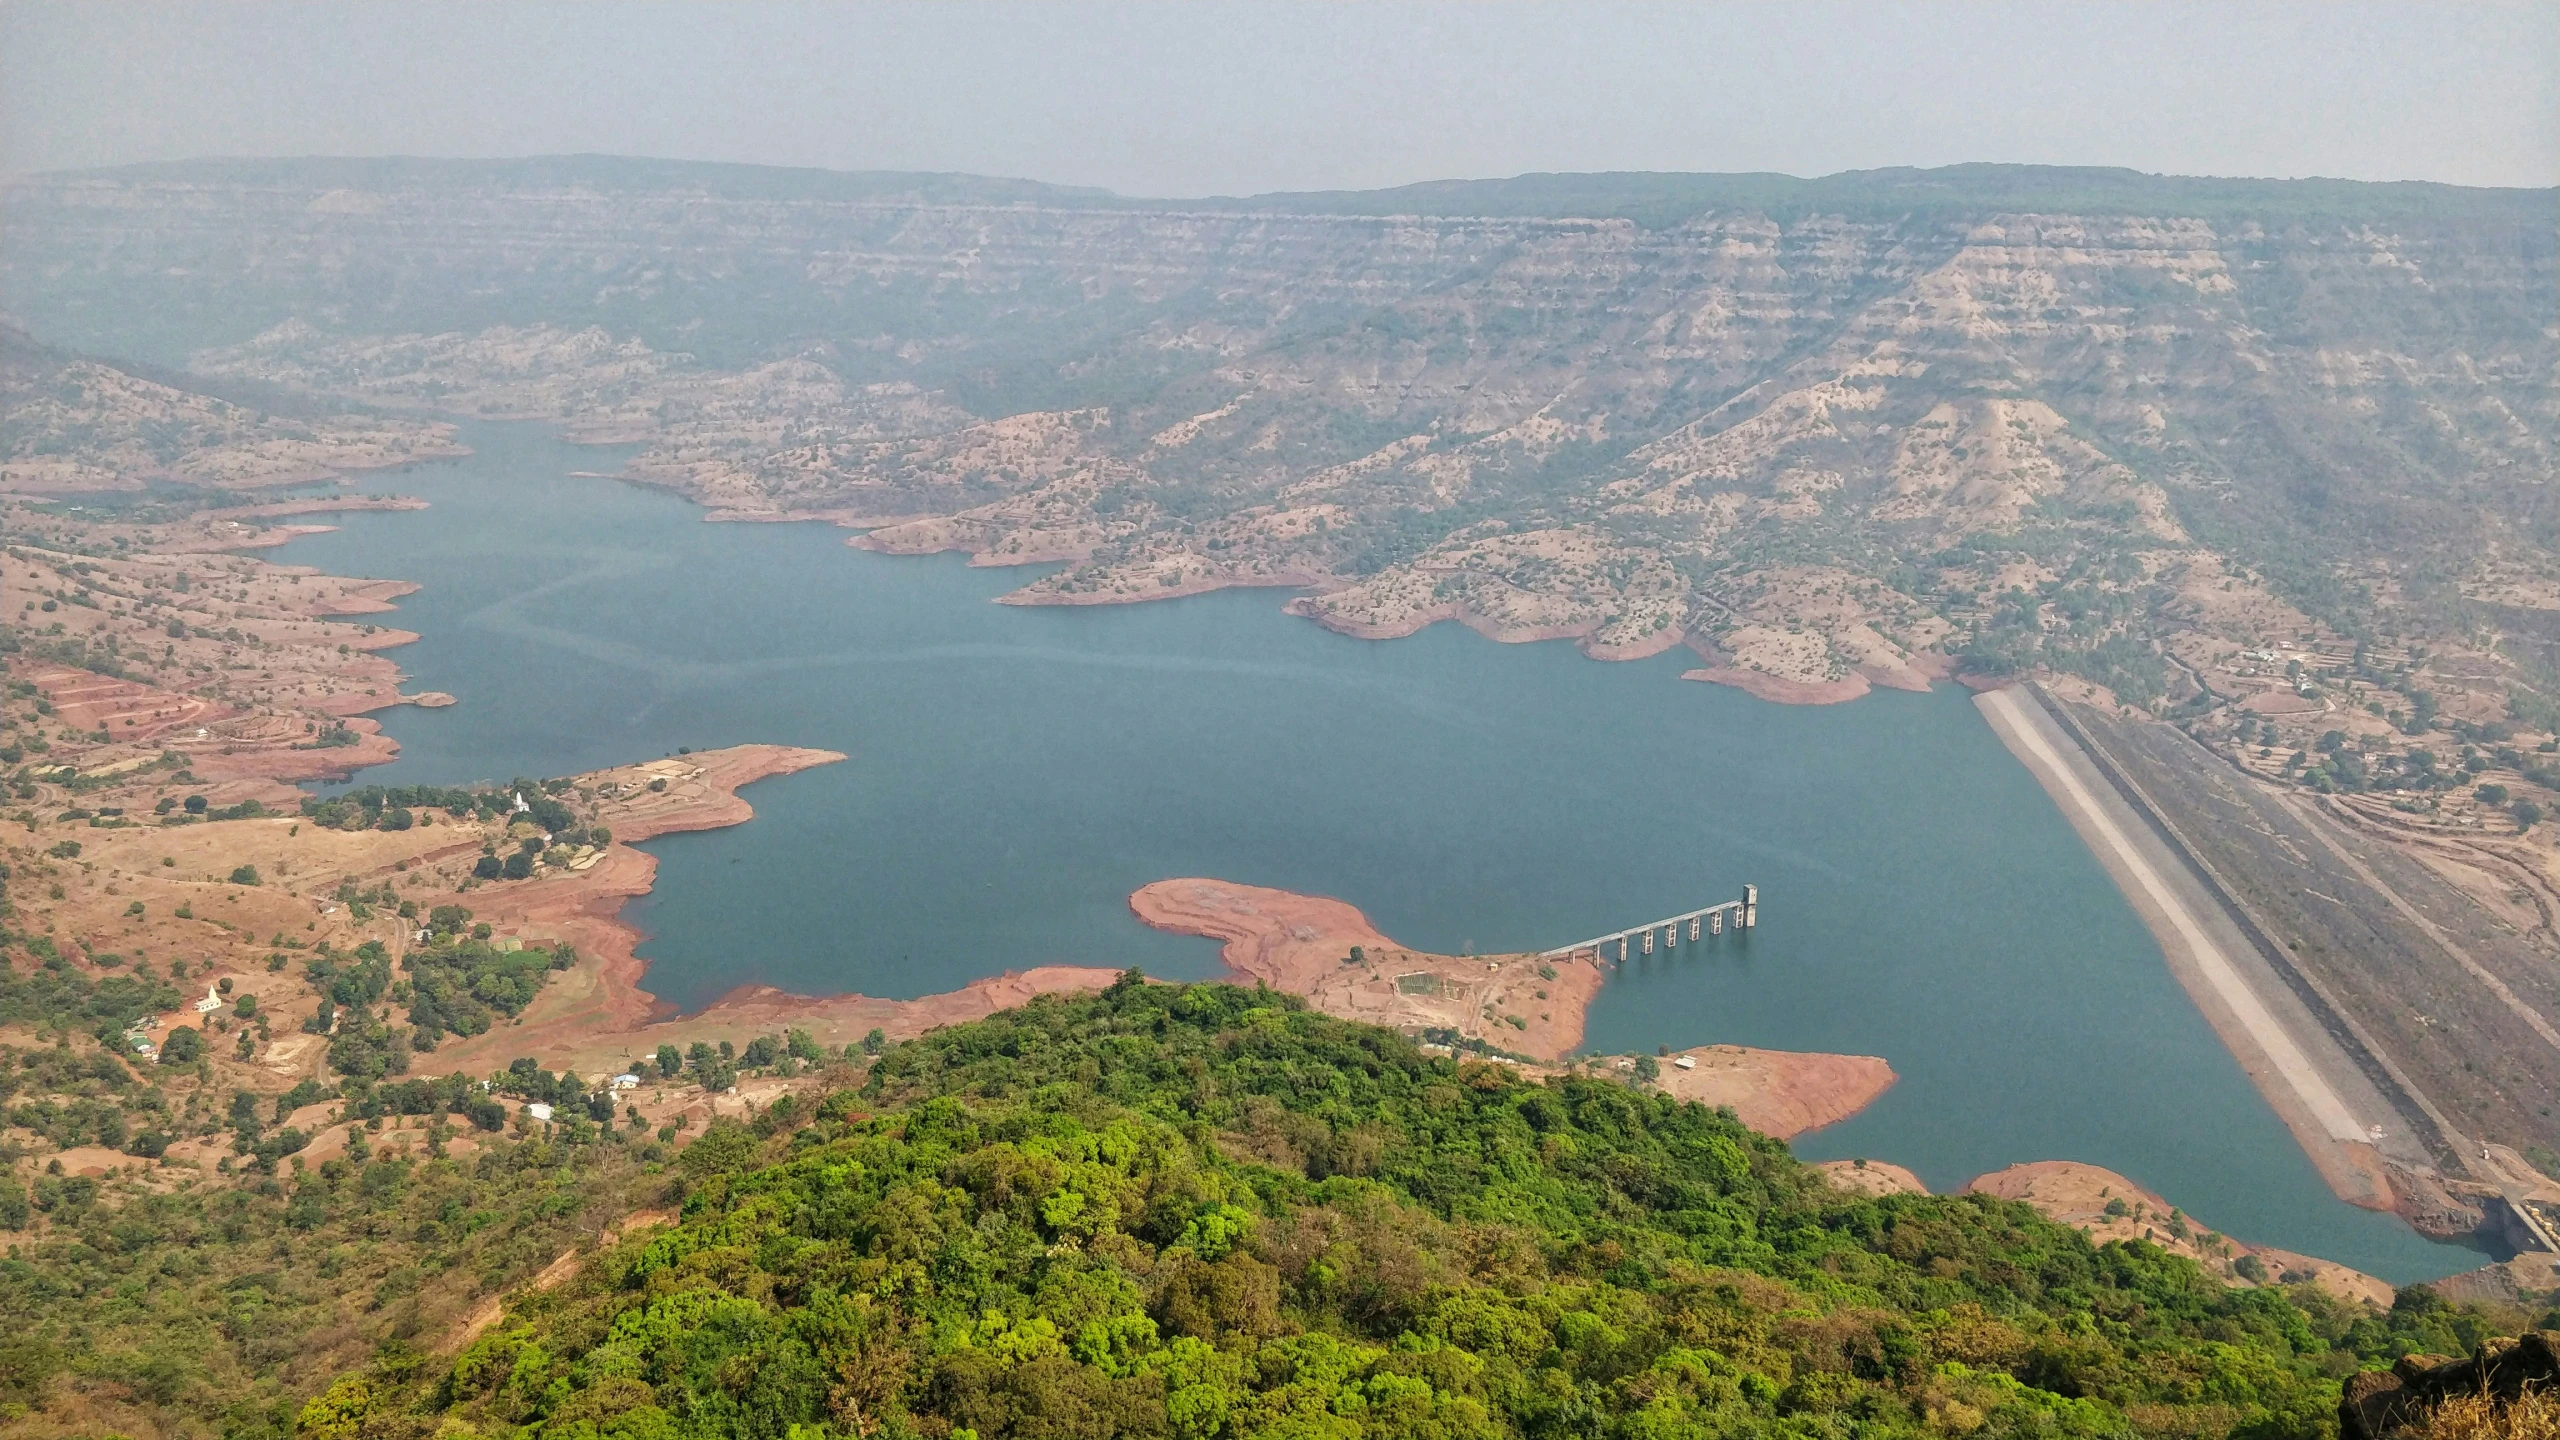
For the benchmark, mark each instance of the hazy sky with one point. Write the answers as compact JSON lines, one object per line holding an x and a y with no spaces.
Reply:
{"x":1199,"y":99}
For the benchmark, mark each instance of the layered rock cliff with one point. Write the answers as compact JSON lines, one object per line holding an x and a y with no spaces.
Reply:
{"x":2114,"y":425}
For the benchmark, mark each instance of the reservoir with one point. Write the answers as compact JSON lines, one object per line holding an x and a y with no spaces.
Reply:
{"x":1015,"y":772}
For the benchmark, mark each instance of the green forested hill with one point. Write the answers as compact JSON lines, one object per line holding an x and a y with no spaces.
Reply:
{"x":1205,"y":1211}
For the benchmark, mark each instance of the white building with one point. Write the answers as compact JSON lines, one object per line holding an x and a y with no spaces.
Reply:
{"x":536,"y":1110}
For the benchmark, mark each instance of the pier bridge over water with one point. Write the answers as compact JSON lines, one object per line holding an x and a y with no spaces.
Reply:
{"x":1745,"y":913}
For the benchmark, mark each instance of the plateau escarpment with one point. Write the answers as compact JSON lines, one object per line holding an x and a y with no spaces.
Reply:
{"x":1830,"y":432}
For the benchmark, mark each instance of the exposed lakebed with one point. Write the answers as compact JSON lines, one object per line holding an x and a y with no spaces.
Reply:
{"x":1016,"y":772}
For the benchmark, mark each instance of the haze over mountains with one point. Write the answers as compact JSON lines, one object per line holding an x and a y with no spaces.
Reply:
{"x":1826,"y":430}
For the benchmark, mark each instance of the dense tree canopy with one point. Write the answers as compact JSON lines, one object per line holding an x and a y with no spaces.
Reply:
{"x":1208,"y":1212}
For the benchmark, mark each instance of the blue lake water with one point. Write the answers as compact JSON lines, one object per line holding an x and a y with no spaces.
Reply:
{"x":1016,"y":772}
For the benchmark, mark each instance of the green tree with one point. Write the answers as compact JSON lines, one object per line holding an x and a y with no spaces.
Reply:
{"x":725,"y":1147}
{"x":338,"y":1413}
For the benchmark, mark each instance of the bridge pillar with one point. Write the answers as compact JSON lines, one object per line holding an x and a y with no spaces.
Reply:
{"x":1715,"y":923}
{"x":1648,"y":939}
{"x":1693,"y":927}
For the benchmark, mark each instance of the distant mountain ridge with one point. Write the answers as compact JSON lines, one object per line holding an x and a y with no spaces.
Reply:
{"x":599,"y":172}
{"x":1660,"y":197}
{"x":1829,"y":432}
{"x":1653,"y":196}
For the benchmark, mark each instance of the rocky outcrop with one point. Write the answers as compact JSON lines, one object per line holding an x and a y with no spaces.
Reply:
{"x":2378,"y":1405}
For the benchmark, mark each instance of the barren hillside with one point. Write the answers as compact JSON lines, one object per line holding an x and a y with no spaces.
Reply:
{"x":2114,"y":425}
